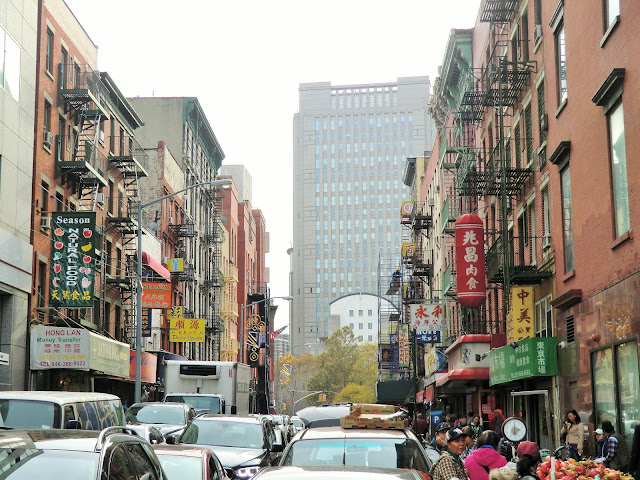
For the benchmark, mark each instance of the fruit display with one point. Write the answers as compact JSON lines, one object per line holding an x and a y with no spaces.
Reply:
{"x":579,"y":470}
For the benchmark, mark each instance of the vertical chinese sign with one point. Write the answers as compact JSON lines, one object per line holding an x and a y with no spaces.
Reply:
{"x":72,"y":274}
{"x":470,"y":268}
{"x":522,"y":314}
{"x":403,"y":345}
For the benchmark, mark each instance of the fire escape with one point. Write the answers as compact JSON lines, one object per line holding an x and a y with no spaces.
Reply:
{"x":390,"y":317}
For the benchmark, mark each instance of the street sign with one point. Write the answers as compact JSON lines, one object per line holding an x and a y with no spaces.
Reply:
{"x":4,"y":358}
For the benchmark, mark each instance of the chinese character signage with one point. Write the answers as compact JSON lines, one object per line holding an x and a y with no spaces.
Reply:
{"x":428,"y":337}
{"x":407,"y":210}
{"x":175,"y":265}
{"x":522,"y":314}
{"x":408,"y":249}
{"x":72,"y":272}
{"x":533,"y":357}
{"x":146,"y":322}
{"x":470,"y":273}
{"x":156,"y":295}
{"x":186,"y":330}
{"x":175,"y":312}
{"x":426,"y":317}
{"x":403,"y":345}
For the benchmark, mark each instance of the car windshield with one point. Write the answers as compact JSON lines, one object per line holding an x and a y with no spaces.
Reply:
{"x":365,"y":452}
{"x":224,"y":433}
{"x":29,"y":463}
{"x":160,"y":414}
{"x":297,"y":422}
{"x":199,"y":402}
{"x":28,"y":414}
{"x":277,"y":419}
{"x":178,"y":466}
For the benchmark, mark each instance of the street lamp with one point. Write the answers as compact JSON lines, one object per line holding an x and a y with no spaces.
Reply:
{"x":141,"y":205}
{"x":243,"y":323}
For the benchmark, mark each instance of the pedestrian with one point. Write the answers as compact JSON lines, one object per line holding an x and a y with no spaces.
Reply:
{"x":438,"y":443}
{"x":499,"y":419}
{"x":485,"y":457}
{"x":469,"y":445}
{"x":617,"y":452}
{"x":601,"y":445}
{"x":573,"y":430}
{"x":461,"y":421}
{"x":634,"y":461}
{"x":524,"y":468}
{"x":420,"y":426}
{"x":449,"y":465}
{"x":477,"y":428}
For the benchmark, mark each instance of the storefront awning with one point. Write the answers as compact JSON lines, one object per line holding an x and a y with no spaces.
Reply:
{"x":156,"y":266}
{"x":466,"y":376}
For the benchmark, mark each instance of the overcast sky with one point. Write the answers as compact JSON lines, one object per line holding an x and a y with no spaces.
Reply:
{"x":244,"y":61}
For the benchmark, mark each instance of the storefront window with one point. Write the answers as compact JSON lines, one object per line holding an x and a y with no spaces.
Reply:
{"x":628,"y":386}
{"x":616,"y":385}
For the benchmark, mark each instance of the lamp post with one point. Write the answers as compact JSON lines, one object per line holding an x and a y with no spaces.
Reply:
{"x":141,"y":205}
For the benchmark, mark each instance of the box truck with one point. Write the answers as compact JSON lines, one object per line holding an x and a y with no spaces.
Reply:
{"x":210,"y":387}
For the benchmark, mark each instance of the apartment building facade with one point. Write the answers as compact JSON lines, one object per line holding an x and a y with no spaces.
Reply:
{"x":18,"y":31}
{"x":350,"y":146}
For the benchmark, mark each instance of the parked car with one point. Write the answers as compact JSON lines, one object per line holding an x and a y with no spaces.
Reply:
{"x":51,"y":454}
{"x":282,"y":422}
{"x":150,"y":433}
{"x":168,"y":417}
{"x":188,"y":462}
{"x":297,"y":423}
{"x":356,"y":447}
{"x":336,"y":473}
{"x":243,"y":444}
{"x":42,"y":409}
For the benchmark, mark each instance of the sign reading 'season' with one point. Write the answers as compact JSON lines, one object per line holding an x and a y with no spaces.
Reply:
{"x":72,"y":273}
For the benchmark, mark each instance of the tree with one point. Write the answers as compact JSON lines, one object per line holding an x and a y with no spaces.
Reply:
{"x":335,"y":365}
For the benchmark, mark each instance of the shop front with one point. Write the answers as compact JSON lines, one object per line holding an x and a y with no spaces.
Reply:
{"x":75,"y":359}
{"x":524,"y":371}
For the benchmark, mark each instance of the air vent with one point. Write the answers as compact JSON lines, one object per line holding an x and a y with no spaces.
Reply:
{"x":199,"y":371}
{"x":571,"y":331}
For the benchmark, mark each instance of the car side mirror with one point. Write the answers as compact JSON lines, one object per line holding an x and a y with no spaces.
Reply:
{"x":172,"y":439}
{"x":277,"y":448}
{"x":72,"y":424}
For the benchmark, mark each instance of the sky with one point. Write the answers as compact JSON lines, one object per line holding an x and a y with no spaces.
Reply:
{"x":244,"y":60}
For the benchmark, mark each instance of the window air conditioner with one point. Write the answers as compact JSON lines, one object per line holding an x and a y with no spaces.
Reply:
{"x":432,"y":202}
{"x":165,"y":260}
{"x":101,"y":198}
{"x":45,"y":223}
{"x":48,"y":139}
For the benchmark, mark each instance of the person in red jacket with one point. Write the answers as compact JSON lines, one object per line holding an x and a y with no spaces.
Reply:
{"x":485,"y":457}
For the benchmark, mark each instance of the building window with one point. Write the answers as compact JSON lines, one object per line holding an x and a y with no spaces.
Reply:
{"x":42,"y":283}
{"x":567,"y":221}
{"x":546,"y":228}
{"x":615,"y":387}
{"x":360,"y":326}
{"x":615,"y":120}
{"x":370,"y":325}
{"x":360,"y":313}
{"x":64,"y":60}
{"x":351,"y":326}
{"x":612,"y":10}
{"x":44,"y":197}
{"x":561,"y":63}
{"x":47,"y":117}
{"x":370,"y":313}
{"x":49,"y":52}
{"x":543,"y":317}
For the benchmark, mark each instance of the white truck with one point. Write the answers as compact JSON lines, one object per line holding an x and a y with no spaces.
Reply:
{"x":210,"y":387}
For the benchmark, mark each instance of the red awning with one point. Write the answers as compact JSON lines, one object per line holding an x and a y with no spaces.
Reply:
{"x":464,"y":375}
{"x":156,"y":266}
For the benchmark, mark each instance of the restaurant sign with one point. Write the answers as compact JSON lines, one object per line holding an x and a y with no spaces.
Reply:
{"x":532,"y":357}
{"x":73,"y":246}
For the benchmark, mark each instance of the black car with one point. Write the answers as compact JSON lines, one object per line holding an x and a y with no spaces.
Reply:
{"x":243,"y":444}
{"x":52,"y":454}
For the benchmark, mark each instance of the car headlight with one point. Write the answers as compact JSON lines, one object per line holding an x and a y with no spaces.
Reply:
{"x":246,"y":472}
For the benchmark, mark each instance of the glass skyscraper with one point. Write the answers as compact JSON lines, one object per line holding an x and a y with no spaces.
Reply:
{"x":350,"y":145}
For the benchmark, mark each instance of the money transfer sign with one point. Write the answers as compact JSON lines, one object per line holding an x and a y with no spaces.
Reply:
{"x":532,"y":357}
{"x":73,"y":248}
{"x":59,"y":347}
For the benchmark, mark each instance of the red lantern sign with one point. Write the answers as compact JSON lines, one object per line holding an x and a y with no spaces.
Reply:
{"x":471,"y":282}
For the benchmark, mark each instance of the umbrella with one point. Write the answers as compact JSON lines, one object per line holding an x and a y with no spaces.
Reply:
{"x":324,"y":415}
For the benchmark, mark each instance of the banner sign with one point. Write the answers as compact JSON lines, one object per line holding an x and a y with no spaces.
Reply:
{"x":73,"y":246}
{"x":532,"y":357}
{"x":425,"y":317}
{"x":521,"y":313}
{"x":408,"y":249}
{"x":186,"y":330}
{"x":428,"y":337}
{"x":403,"y":345}
{"x":175,"y":265}
{"x":255,"y":326}
{"x":470,"y":265}
{"x":156,"y":295}
{"x":389,"y":355}
{"x":77,"y":349}
{"x":146,"y":322}
{"x":175,"y":312}
{"x":148,"y":364}
{"x":407,"y":210}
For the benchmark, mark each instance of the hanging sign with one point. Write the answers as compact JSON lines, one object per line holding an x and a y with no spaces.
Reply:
{"x":73,"y":247}
{"x":426,"y":316}
{"x":470,"y":269}
{"x":521,"y":313}
{"x":156,"y":295}
{"x":407,"y":210}
{"x":403,"y":345}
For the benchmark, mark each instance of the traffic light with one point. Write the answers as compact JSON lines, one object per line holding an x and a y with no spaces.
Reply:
{"x":284,"y":406}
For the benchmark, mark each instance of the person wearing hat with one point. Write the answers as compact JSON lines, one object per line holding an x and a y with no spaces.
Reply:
{"x":450,"y":465}
{"x":528,"y":460}
{"x":499,"y":418}
{"x":438,"y":444}
{"x":617,"y":453}
{"x":601,"y":445}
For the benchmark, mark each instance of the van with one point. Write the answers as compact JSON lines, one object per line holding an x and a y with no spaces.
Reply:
{"x":42,"y":410}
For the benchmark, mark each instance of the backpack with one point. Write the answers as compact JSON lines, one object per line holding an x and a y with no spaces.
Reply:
{"x":621,"y":459}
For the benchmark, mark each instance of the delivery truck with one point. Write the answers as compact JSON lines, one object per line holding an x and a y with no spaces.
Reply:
{"x":210,"y":387}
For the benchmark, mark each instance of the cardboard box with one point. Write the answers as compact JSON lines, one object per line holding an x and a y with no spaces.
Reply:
{"x":370,"y":416}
